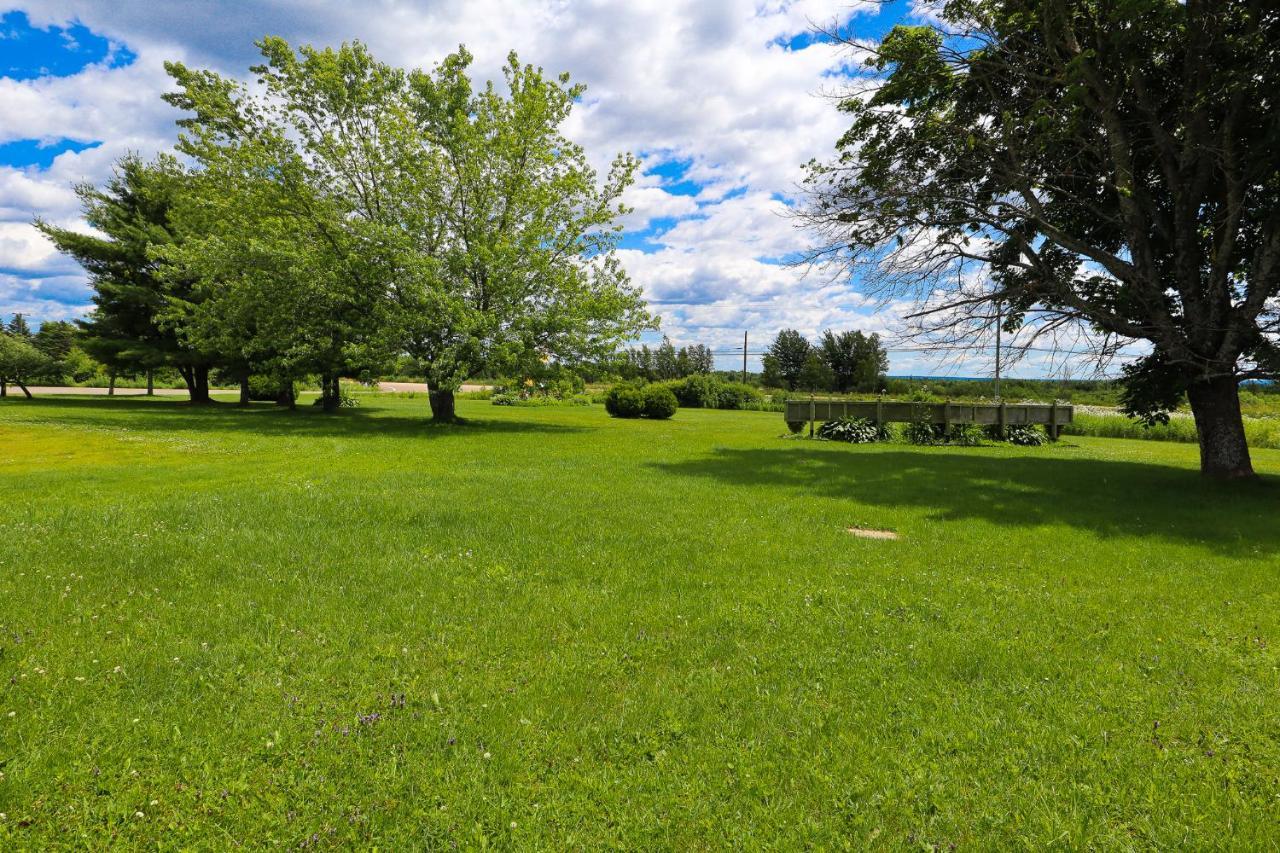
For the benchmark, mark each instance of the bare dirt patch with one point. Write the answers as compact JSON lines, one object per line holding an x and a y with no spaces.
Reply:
{"x":868,"y":533}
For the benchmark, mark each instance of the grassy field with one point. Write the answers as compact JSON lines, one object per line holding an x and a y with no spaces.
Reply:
{"x":1259,"y":432}
{"x":548,"y":629}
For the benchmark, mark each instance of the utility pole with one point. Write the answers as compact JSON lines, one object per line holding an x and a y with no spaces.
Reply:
{"x":744,"y":358}
{"x":999,"y":322}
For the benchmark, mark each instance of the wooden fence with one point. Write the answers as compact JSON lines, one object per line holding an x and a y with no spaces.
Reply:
{"x":1052,"y":416}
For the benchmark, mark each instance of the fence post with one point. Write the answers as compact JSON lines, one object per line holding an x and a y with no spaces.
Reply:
{"x":813,"y":414}
{"x":946,"y":417}
{"x":1002,"y":420}
{"x":880,"y":409}
{"x":1053,"y":421}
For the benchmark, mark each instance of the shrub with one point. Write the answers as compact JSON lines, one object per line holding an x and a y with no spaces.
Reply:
{"x":854,"y":431}
{"x":263,"y":388}
{"x":700,"y":391}
{"x":735,"y":395}
{"x":624,"y":401}
{"x":659,"y":402}
{"x":1025,"y":435}
{"x":345,"y":399}
{"x":965,"y":435}
{"x":704,"y":391}
{"x":921,"y":432}
{"x":503,"y":399}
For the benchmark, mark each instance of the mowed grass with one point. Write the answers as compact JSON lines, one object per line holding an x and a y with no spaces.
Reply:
{"x":549,"y":629}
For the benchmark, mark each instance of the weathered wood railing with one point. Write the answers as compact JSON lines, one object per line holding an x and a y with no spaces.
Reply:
{"x":1050,"y":415}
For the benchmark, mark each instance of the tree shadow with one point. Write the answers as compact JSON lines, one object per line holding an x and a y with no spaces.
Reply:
{"x":266,"y":419}
{"x":1111,"y":498}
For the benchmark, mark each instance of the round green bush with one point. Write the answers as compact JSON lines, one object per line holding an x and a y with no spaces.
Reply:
{"x":659,"y":402}
{"x":699,"y":391}
{"x":624,"y":401}
{"x":735,"y":395}
{"x":1025,"y":435}
{"x":854,"y":431}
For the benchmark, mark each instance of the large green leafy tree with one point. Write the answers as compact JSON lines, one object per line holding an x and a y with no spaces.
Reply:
{"x":348,"y":211}
{"x":130,"y":329}
{"x":20,"y":362}
{"x":857,"y":361}
{"x":786,"y":358}
{"x":518,"y":231}
{"x":297,"y":228}
{"x":17,"y":326}
{"x":1079,"y":165}
{"x":55,"y":338}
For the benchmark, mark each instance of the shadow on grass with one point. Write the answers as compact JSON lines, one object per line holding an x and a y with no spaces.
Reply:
{"x":1109,"y":498}
{"x":169,"y":415}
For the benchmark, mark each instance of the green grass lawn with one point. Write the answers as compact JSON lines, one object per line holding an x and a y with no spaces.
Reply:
{"x":549,"y":629}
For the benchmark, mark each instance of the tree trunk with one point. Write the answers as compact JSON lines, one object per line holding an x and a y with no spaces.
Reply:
{"x":20,"y":384}
{"x":442,"y":405}
{"x":4,"y":387}
{"x":189,"y":379}
{"x":329,"y":393}
{"x":286,"y":397}
{"x":1224,"y":453}
{"x":111,"y":385}
{"x":151,"y":382}
{"x":200,"y":386}
{"x":244,"y":390}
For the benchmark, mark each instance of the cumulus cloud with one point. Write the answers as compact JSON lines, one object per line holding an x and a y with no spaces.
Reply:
{"x":727,"y":89}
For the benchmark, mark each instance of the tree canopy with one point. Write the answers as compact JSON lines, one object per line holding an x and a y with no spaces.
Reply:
{"x":130,"y":328}
{"x":1082,"y":166}
{"x":346,"y":211}
{"x":786,"y":359}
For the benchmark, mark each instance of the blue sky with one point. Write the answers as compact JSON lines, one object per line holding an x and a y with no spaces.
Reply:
{"x":723,"y":100}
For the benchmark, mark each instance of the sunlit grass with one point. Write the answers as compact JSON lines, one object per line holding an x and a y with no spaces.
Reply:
{"x":546,"y":628}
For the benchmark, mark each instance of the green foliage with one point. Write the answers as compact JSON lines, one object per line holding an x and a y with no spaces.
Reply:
{"x":659,"y":402}
{"x":1025,"y":435}
{"x":631,"y":400}
{"x":1065,"y":149}
{"x":857,"y":362}
{"x":17,"y":327}
{"x":786,"y":359}
{"x":55,"y":339}
{"x":20,"y":362}
{"x":135,"y":324}
{"x":921,"y":432}
{"x":816,"y":375}
{"x":854,"y":431}
{"x":325,"y":229}
{"x":704,"y":391}
{"x":1260,"y":432}
{"x":625,"y":401}
{"x":345,"y":400}
{"x":965,"y":435}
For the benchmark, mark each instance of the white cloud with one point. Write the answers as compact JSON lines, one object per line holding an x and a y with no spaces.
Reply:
{"x":708,"y":83}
